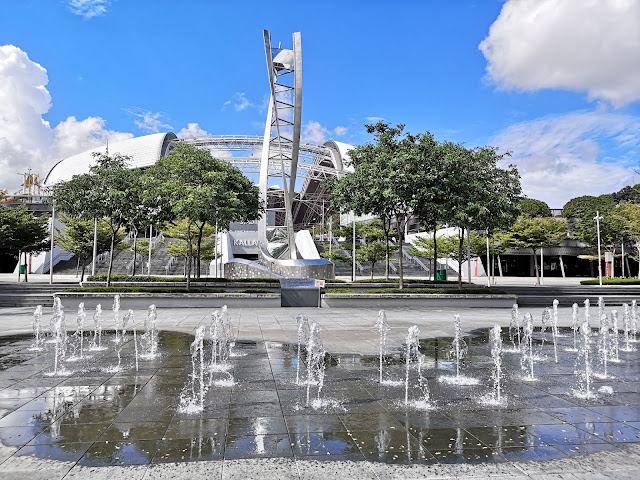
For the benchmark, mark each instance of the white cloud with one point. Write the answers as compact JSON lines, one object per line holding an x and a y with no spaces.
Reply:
{"x":374,"y":119}
{"x":314,"y":132}
{"x":26,"y":139}
{"x":583,"y":153}
{"x":88,"y":8}
{"x":580,"y":45}
{"x":240,"y":102}
{"x":340,"y":131}
{"x":192,"y":130}
{"x":73,"y":136}
{"x":148,"y":121}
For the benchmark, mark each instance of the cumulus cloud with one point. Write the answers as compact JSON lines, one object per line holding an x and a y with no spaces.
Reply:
{"x":148,"y":121}
{"x":314,"y":132}
{"x":88,"y":8}
{"x":582,"y":153}
{"x":192,"y":130}
{"x":27,"y":140}
{"x":579,"y":45}
{"x":340,"y":131}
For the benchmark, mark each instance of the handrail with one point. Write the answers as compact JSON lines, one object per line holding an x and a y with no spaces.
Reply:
{"x":416,"y":260}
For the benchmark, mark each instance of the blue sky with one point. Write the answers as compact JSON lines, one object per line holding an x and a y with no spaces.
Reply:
{"x":557,"y":82}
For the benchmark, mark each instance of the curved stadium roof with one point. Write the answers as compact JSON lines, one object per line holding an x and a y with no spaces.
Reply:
{"x":145,"y":151}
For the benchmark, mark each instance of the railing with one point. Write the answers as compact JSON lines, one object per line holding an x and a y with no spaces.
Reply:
{"x":157,"y":239}
{"x":415,"y":260}
{"x":170,"y":263}
{"x":137,"y":259}
{"x":102,"y":258}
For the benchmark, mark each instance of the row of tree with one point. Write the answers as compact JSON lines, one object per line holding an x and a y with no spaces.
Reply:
{"x":400,"y":175}
{"x":188,"y":187}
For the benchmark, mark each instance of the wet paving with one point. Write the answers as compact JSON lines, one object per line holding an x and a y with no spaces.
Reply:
{"x":95,"y":418}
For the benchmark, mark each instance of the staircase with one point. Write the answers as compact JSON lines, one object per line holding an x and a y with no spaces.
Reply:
{"x":30,"y":294}
{"x":122,"y":260}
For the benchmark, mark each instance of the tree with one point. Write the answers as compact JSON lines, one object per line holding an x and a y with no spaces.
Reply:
{"x":478,"y":194}
{"x":22,"y":232}
{"x":584,"y":209}
{"x":536,"y":233}
{"x":193,"y":186}
{"x":627,"y":195}
{"x":106,"y":192}
{"x":530,"y":207}
{"x":628,"y":215}
{"x":179,"y":249}
{"x":383,"y":182}
{"x":77,"y":238}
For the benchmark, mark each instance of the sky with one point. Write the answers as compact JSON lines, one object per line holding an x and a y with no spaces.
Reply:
{"x":554,"y":82}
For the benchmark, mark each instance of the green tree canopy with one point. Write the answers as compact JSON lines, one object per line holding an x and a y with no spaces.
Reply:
{"x":530,"y":207}
{"x":191,"y":185}
{"x":109,"y":192}
{"x":21,"y":231}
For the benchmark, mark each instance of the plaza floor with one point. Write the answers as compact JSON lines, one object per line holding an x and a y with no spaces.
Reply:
{"x":102,"y":424}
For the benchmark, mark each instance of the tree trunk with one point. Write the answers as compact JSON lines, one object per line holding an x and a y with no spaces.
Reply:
{"x":113,"y":239}
{"x":387,"y":228}
{"x":20,"y":263}
{"x":460,"y":248}
{"x":198,"y":250}
{"x":189,"y":255}
{"x":26,"y":267}
{"x":84,"y":264}
{"x":435,"y":252}
{"x":135,"y":250}
{"x":372,"y":265}
{"x":535,"y":263}
{"x":638,"y":248}
{"x":400,"y":262}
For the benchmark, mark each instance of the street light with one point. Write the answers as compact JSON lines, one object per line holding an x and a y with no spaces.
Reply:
{"x":597,"y":218}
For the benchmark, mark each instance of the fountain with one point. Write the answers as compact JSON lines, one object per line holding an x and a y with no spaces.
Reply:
{"x":546,"y":321}
{"x":514,"y":327}
{"x":586,"y":312}
{"x":411,"y":350}
{"x":37,"y":325}
{"x":604,"y":343}
{"x":634,"y":320}
{"x":495,"y":339}
{"x":315,"y":362}
{"x":79,"y":334}
{"x":59,"y":337}
{"x":149,"y":340}
{"x":582,"y":368}
{"x":97,"y":333}
{"x":600,"y":307}
{"x":458,"y":352}
{"x":383,"y":327}
{"x":615,"y":347}
{"x":129,"y":317}
{"x":116,"y":315}
{"x":303,"y":334}
{"x":526,"y":360}
{"x":554,"y":330}
{"x":575,"y":325}
{"x":194,"y":402}
{"x":626,"y":326}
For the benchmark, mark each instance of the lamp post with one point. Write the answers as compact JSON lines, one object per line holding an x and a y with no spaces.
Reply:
{"x":353,"y":272}
{"x":597,"y":218}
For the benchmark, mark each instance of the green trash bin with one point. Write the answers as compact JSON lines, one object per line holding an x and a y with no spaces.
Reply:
{"x":441,"y":274}
{"x":23,"y":269}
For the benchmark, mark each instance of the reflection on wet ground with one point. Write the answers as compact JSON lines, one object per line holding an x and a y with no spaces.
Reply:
{"x":97,"y":418}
